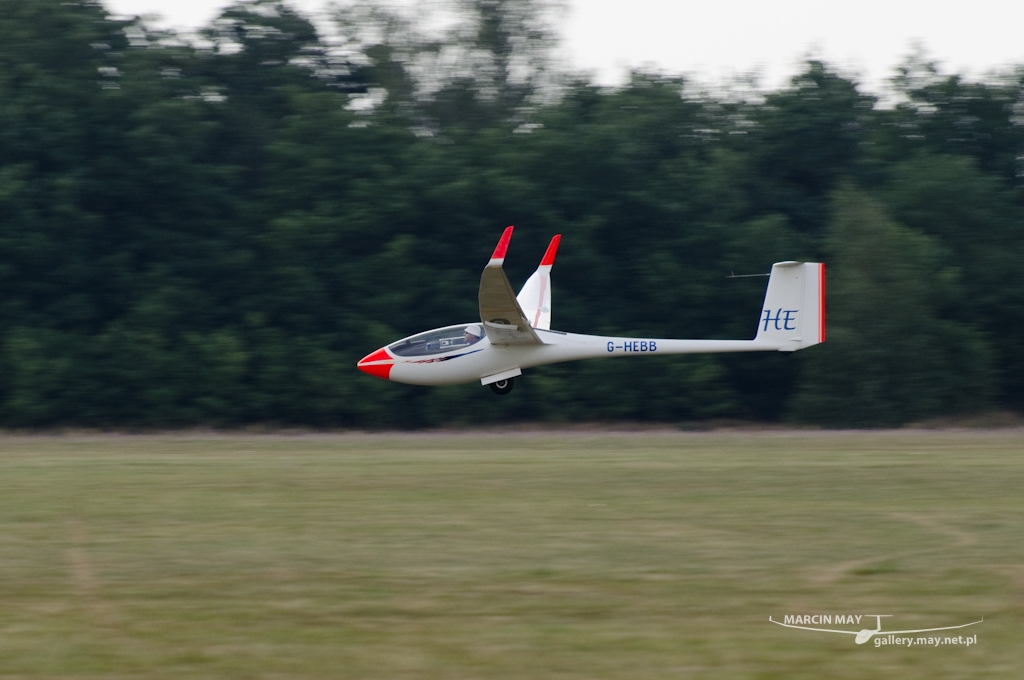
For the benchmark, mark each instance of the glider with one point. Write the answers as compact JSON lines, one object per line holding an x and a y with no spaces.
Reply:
{"x":514,"y":332}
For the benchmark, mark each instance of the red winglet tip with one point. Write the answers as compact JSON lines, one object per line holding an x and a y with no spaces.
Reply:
{"x":549,"y":254}
{"x":502,"y":248}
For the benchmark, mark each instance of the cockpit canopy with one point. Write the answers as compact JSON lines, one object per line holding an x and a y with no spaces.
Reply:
{"x":437,"y":341}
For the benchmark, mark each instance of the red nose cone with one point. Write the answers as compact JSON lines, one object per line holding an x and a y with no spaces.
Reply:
{"x":377,"y":364}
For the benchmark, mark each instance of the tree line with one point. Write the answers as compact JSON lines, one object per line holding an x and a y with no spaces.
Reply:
{"x":214,"y":230}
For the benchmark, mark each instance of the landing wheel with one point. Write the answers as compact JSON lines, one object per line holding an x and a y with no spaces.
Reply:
{"x":502,"y":386}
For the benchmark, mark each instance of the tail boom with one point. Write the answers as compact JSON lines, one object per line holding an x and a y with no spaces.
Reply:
{"x":559,"y":347}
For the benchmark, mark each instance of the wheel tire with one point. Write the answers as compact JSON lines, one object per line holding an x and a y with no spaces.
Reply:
{"x":503,"y":386}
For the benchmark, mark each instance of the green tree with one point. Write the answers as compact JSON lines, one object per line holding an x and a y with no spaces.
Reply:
{"x":807,"y":137}
{"x":491,"y":68}
{"x":893,"y":355}
{"x":975,"y":218}
{"x":947,"y":114}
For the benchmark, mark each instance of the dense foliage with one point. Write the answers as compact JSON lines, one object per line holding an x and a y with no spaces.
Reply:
{"x":215,"y":231}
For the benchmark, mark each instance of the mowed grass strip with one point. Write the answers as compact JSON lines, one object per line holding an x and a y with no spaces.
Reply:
{"x":541,"y":555}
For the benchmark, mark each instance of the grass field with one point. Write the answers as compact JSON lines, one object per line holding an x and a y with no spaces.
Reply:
{"x":546,"y":555}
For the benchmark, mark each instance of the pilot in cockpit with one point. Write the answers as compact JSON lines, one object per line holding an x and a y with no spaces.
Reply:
{"x":473,"y":333}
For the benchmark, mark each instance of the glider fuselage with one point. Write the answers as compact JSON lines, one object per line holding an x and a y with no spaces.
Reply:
{"x":468,"y":363}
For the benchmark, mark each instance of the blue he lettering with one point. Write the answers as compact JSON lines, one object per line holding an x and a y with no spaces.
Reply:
{"x":784,"y":317}
{"x":627,"y":346}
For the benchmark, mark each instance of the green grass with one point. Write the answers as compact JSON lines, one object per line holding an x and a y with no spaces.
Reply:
{"x":604,"y":555}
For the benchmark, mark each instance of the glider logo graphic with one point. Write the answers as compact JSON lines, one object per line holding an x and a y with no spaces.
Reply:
{"x":785,"y":317}
{"x":883,"y":637}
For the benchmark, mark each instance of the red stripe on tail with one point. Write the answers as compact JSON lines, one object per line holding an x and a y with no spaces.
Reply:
{"x":821,"y":302}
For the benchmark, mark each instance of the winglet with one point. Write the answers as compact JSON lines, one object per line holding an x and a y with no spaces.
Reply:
{"x":549,"y":254}
{"x":498,"y":258}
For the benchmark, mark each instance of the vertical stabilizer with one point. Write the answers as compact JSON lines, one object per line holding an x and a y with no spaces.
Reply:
{"x":793,"y":314}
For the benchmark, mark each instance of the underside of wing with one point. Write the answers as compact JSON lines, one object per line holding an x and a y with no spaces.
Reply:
{"x":503,"y":318}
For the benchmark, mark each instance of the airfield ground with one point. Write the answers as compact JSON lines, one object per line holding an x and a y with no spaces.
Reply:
{"x":543,"y":555}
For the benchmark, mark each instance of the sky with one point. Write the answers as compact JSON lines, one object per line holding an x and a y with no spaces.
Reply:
{"x":715,"y":40}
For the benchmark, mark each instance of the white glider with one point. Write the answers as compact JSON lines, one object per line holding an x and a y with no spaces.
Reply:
{"x":515,"y":333}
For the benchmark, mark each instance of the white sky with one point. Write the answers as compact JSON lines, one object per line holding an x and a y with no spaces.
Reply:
{"x":715,"y":39}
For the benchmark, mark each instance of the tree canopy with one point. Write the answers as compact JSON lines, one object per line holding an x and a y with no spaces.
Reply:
{"x":214,"y":231}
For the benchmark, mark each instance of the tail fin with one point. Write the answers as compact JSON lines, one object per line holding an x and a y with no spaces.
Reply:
{"x":535,"y":297}
{"x":793,"y":314}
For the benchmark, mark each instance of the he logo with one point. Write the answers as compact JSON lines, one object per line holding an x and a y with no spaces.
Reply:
{"x":785,"y":317}
{"x":864,"y":634}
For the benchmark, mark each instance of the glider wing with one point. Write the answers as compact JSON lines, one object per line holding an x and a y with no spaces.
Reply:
{"x":535,"y":297}
{"x":503,"y":318}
